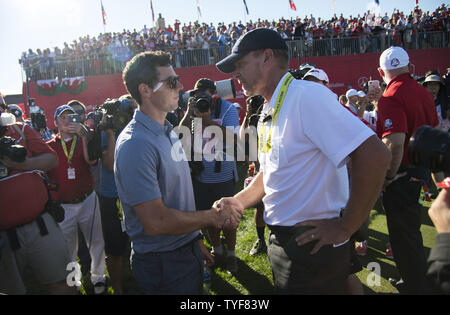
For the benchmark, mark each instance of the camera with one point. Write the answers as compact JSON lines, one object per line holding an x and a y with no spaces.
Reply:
{"x":74,"y":118}
{"x":202,"y":103}
{"x":13,"y":151}
{"x":38,"y":120}
{"x":430,"y":148}
{"x":8,"y":146}
{"x":118,"y":114}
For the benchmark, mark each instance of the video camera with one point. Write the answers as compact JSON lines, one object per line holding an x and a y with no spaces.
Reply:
{"x":8,"y":146}
{"x":429,"y":148}
{"x":118,"y":114}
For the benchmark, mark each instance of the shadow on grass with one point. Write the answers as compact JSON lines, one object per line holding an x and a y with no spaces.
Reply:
{"x":254,"y":282}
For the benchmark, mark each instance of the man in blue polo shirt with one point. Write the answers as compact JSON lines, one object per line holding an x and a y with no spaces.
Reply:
{"x":155,"y":187}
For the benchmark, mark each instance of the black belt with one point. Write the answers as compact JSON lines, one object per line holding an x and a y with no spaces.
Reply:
{"x":190,"y":243}
{"x":78,"y":200}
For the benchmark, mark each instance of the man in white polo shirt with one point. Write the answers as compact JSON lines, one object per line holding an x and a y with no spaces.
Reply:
{"x":303,"y":180}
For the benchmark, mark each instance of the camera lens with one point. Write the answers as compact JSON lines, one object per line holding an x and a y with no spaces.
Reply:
{"x":202,"y":105}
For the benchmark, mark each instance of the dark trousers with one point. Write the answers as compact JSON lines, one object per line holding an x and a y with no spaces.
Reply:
{"x":116,"y":240}
{"x":207,"y":193}
{"x":403,"y":219}
{"x":296,"y":271}
{"x":178,"y":272}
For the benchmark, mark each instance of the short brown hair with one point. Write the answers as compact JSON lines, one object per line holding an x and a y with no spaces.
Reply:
{"x":142,"y":69}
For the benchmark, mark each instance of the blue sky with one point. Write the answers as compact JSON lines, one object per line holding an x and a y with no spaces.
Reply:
{"x":48,"y":23}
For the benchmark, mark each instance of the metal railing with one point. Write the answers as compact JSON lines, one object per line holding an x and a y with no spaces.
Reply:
{"x":115,"y":59}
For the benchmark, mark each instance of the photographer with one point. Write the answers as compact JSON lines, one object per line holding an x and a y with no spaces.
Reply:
{"x":76,"y":192}
{"x":25,"y":215}
{"x":116,"y":240}
{"x":214,"y":179}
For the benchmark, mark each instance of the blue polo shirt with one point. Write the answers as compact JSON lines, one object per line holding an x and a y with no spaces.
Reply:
{"x":146,"y":168}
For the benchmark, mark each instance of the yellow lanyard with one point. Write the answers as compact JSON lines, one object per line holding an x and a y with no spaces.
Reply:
{"x":263,"y":145}
{"x":72,"y":149}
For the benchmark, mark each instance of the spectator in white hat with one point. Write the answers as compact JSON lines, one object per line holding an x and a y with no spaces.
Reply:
{"x":317,"y":75}
{"x":352,"y":100}
{"x":362,"y":103}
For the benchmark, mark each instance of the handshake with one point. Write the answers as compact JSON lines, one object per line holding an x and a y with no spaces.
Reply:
{"x":229,"y":213}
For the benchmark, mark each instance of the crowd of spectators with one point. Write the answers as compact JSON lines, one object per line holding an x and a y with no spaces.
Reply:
{"x":194,"y":44}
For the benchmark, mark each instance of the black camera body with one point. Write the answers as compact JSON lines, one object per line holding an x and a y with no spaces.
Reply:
{"x":38,"y":121}
{"x":117,"y":114}
{"x":203,"y":103}
{"x":13,"y":151}
{"x":429,"y":148}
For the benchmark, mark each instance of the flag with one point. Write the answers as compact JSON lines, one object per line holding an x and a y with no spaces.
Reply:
{"x":153,"y":13}
{"x":103,"y":14}
{"x":198,"y":9}
{"x":292,"y":4}
{"x":246,"y":8}
{"x":377,"y":2}
{"x":417,"y":2}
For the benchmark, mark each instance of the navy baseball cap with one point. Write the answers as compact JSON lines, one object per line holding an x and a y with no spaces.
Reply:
{"x":15,"y":110}
{"x":62,"y":109}
{"x":260,"y":38}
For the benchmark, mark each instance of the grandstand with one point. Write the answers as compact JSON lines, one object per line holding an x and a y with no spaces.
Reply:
{"x":53,"y":77}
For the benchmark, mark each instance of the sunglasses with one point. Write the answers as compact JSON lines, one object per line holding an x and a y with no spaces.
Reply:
{"x":172,"y":83}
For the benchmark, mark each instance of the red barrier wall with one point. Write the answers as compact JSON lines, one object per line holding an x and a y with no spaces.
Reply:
{"x":344,"y":72}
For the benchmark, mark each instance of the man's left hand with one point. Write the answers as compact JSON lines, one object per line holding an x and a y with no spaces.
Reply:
{"x":326,"y":232}
{"x":77,"y":129}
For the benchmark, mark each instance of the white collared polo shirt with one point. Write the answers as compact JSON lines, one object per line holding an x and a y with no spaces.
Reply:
{"x":304,"y":173}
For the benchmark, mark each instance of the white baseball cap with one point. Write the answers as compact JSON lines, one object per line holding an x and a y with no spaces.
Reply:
{"x":317,"y":73}
{"x":393,"y":58}
{"x":361,"y":94}
{"x":351,"y":92}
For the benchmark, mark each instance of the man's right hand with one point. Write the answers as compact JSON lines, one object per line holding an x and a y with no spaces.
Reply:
{"x":230,"y":213}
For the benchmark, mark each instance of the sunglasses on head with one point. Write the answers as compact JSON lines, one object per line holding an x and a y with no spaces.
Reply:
{"x":172,"y":83}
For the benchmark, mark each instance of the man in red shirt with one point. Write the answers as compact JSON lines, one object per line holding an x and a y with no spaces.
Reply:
{"x":23,"y":215}
{"x":76,"y":193}
{"x":404,"y":106}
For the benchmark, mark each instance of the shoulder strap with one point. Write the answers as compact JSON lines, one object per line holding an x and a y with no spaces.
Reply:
{"x":21,"y":132}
